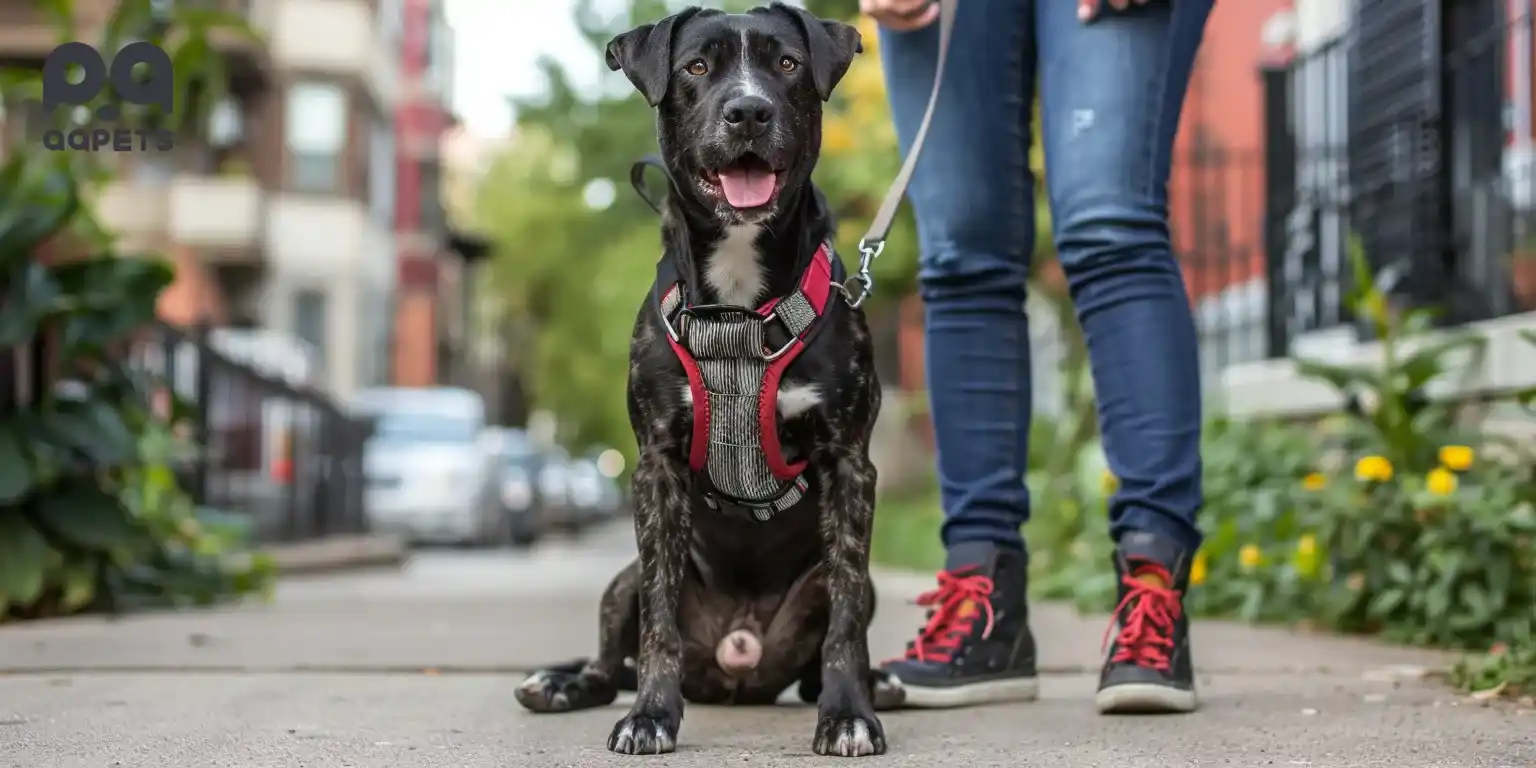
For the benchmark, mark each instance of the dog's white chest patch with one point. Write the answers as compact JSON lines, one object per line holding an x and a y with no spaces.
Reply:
{"x":734,"y":273}
{"x":794,"y":399}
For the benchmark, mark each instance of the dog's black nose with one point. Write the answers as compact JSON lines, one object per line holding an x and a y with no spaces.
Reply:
{"x":749,"y":114}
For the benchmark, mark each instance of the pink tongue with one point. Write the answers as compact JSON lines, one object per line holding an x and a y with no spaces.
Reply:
{"x":747,"y":188}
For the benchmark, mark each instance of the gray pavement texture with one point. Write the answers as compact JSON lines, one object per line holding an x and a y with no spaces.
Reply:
{"x":416,"y":667}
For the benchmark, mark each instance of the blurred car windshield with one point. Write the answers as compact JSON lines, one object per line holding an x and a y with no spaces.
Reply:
{"x":516,"y":448}
{"x":425,"y":427}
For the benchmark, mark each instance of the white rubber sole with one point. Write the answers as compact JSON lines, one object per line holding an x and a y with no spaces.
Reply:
{"x":1144,"y":699}
{"x":988,"y":692}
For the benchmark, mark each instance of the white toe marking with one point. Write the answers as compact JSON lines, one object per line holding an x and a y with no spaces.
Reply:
{"x":795,"y":399}
{"x":854,"y":741}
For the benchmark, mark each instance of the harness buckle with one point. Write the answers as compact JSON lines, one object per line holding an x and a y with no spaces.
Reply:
{"x":778,"y":353}
{"x":760,"y":513}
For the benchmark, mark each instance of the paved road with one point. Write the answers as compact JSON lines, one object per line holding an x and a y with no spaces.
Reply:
{"x":416,"y":669}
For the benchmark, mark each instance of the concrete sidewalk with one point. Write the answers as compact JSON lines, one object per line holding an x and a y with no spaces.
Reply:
{"x":416,"y":668}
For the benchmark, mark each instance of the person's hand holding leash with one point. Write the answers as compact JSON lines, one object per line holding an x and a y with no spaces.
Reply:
{"x":901,"y":15}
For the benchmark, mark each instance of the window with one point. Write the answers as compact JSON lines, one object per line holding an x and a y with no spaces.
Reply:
{"x":433,"y":220}
{"x":316,"y":136}
{"x":309,"y":320}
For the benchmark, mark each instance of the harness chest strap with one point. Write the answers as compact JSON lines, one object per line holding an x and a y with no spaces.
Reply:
{"x":735,"y":359}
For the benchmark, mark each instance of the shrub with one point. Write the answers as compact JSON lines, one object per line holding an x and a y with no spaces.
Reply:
{"x":91,"y":514}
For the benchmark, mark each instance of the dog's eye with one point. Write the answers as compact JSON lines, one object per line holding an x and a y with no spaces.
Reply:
{"x":787,"y":65}
{"x":697,"y":68}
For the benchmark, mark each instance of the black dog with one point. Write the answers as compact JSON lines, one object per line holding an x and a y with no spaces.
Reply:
{"x":754,"y":492}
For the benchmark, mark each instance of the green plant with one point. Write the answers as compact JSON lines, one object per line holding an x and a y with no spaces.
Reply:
{"x":90,"y":511}
{"x":1502,"y":671}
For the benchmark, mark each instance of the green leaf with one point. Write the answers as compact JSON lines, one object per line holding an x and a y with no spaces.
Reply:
{"x":86,"y":517}
{"x":1344,"y":378}
{"x":24,"y":557}
{"x":1386,"y":602}
{"x":93,"y":428}
{"x":42,"y":201}
{"x":1435,"y":359}
{"x":30,"y":296}
{"x":16,"y":476}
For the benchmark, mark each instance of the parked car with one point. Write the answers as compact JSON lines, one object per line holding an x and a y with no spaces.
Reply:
{"x":593,"y":492}
{"x":518,"y":464}
{"x":553,"y":485}
{"x":590,"y":499}
{"x":430,"y":466}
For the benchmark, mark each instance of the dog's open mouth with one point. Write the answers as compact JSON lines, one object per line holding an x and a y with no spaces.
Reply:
{"x":748,"y":182}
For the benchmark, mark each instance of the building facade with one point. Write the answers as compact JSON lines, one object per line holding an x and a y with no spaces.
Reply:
{"x":428,"y":326}
{"x":279,"y":211}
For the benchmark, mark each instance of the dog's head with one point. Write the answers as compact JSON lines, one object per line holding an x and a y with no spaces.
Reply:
{"x":738,"y":100}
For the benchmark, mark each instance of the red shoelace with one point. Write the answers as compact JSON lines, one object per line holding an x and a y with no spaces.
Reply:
{"x":960,"y":599}
{"x":1146,"y":616}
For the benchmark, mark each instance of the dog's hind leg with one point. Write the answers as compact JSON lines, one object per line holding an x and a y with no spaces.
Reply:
{"x":594,"y":683}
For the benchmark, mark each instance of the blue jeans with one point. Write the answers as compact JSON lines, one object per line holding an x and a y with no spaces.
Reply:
{"x":1111,"y":93}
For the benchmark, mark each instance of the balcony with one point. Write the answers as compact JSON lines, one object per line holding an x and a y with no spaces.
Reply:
{"x":337,"y":37}
{"x":136,"y":212}
{"x":217,"y":213}
{"x":326,"y":239}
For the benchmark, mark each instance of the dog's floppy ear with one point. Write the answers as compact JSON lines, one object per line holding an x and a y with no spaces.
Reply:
{"x":831,"y":47}
{"x":645,"y":55}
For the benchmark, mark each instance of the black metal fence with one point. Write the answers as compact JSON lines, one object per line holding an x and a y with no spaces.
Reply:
{"x":1407,"y":142}
{"x":284,"y":454}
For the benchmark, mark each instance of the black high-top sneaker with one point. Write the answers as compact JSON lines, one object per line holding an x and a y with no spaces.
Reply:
{"x":976,"y":647}
{"x":1148,"y":668}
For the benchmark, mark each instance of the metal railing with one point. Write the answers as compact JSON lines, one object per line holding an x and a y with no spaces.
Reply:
{"x":1397,"y":142}
{"x":286,"y":455}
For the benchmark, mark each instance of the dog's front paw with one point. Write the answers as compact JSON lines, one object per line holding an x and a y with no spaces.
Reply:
{"x":854,"y":736}
{"x":639,"y":734}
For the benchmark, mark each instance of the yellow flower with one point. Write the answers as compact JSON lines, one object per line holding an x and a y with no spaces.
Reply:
{"x":1373,"y":469}
{"x":1250,"y":556}
{"x":836,"y":135}
{"x":1197,"y":570}
{"x":1457,"y":457}
{"x":1109,"y":482}
{"x":1315,"y":481}
{"x":1306,"y":545}
{"x":1307,"y":561}
{"x":1440,"y":481}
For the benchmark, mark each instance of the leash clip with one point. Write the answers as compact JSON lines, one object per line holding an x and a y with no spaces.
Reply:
{"x":868,"y":252}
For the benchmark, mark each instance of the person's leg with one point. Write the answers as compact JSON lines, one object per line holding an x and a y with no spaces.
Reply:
{"x":1111,"y":96}
{"x":973,"y":197}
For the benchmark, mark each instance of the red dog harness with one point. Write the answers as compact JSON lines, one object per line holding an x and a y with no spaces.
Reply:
{"x":735,"y":358}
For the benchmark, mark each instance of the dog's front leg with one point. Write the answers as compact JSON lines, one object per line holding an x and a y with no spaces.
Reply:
{"x":661,"y":490}
{"x":846,"y":724}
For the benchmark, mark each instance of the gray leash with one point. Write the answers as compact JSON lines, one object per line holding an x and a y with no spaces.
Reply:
{"x":873,"y":242}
